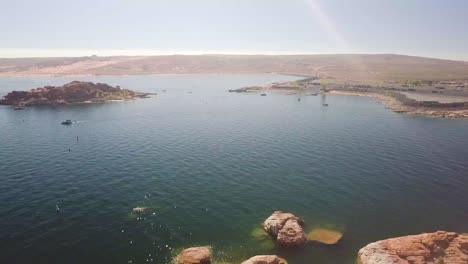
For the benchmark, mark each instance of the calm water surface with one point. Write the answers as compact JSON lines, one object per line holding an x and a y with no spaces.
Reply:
{"x":213,"y":165}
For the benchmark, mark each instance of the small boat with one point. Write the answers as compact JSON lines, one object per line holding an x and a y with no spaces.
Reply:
{"x":313,"y":94}
{"x":298,"y":99}
{"x":67,"y":122}
{"x":18,"y":107}
{"x":324,"y":104}
{"x":263,"y":94}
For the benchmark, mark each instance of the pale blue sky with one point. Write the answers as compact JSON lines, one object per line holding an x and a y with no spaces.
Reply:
{"x":433,"y":28}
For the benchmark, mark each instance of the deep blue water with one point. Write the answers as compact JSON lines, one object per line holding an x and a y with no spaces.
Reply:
{"x":213,"y":165}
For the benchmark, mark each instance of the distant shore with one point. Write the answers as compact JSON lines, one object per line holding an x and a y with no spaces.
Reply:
{"x":451,"y":104}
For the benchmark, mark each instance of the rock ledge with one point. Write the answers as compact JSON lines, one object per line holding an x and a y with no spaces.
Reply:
{"x":429,"y":248}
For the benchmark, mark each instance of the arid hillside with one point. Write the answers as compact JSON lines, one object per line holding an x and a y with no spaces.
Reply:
{"x":358,"y":68}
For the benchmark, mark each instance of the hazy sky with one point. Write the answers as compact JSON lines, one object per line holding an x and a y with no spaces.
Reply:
{"x":434,"y":28}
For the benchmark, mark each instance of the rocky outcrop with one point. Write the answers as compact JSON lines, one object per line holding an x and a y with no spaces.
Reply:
{"x":286,"y":228}
{"x":291,"y":234}
{"x":194,"y":255}
{"x":263,"y":259}
{"x":74,"y":92}
{"x":403,"y":99}
{"x":246,"y":89}
{"x":430,"y":248}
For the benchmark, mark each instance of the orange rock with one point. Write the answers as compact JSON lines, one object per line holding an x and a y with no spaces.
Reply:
{"x":276,"y":221}
{"x":286,"y":228}
{"x":263,"y":259}
{"x":438,"y":247}
{"x":195,"y":255}
{"x":291,"y":234}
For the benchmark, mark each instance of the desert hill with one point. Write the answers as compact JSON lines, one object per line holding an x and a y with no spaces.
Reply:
{"x":361,"y":68}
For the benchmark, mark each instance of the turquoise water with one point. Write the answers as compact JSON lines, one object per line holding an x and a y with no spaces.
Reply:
{"x":213,"y":165}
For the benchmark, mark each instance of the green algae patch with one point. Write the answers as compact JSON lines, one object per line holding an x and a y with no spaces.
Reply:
{"x":259,"y":234}
{"x":263,"y":239}
{"x":267,"y":245}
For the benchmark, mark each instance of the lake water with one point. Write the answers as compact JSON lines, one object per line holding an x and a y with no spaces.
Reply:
{"x":213,"y":165}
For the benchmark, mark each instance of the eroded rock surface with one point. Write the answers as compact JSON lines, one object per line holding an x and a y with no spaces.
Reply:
{"x":263,"y":259}
{"x":291,"y":234}
{"x":195,"y":255}
{"x":286,"y":228}
{"x":430,"y":248}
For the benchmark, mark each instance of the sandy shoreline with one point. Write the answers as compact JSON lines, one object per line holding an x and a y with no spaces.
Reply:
{"x":389,"y":102}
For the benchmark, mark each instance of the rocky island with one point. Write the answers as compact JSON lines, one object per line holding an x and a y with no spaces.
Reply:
{"x":70,"y":93}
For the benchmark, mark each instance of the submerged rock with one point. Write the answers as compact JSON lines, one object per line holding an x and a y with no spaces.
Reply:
{"x":263,"y":259}
{"x":286,"y":228}
{"x":194,"y":255}
{"x":139,"y":211}
{"x":429,"y":248}
{"x":324,"y":236}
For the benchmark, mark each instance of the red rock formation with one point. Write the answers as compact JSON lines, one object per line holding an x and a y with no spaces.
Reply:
{"x":195,"y":255}
{"x":74,"y":92}
{"x":291,"y":234}
{"x":263,"y":259}
{"x":286,"y":228}
{"x":430,"y":248}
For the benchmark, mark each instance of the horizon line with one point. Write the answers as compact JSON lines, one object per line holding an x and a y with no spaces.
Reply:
{"x":132,"y":53}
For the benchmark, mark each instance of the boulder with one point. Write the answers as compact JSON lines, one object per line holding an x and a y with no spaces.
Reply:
{"x":428,"y":248}
{"x":276,"y":221}
{"x":263,"y":259}
{"x":286,"y":228}
{"x":324,"y":236}
{"x":291,"y":234}
{"x":195,"y":255}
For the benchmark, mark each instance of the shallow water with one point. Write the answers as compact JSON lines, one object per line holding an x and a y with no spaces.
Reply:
{"x":213,"y":165}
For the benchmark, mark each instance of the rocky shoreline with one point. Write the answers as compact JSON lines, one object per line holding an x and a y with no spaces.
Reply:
{"x":71,"y":93}
{"x":437,"y":247}
{"x":287,"y":230}
{"x":400,"y":103}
